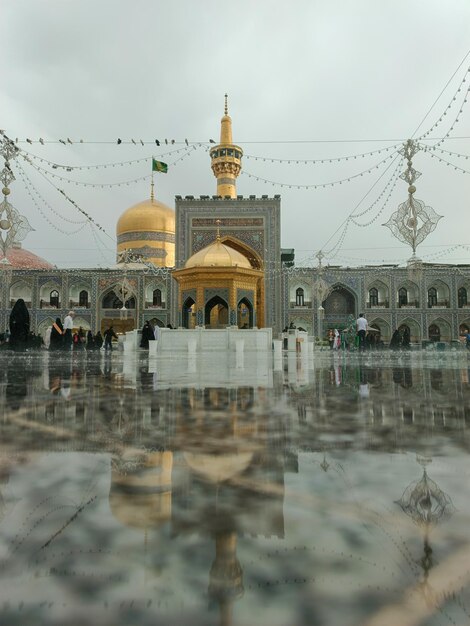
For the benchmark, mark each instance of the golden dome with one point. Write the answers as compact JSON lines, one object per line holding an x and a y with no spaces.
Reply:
{"x":218,"y":254}
{"x":149,"y":215}
{"x":148,"y":229}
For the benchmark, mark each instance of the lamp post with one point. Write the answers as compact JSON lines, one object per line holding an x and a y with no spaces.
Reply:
{"x":320,"y":317}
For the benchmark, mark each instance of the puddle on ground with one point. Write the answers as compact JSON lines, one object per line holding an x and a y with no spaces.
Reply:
{"x":219,"y":489}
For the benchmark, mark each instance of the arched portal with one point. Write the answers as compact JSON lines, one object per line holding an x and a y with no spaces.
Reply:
{"x":216,"y":313}
{"x":245,"y":314}
{"x":189,"y":313}
{"x":112,"y":301}
{"x":340,"y":301}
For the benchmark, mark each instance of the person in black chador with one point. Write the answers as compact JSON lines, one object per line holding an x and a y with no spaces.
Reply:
{"x":90,"y":341}
{"x":405,"y":340}
{"x":147,"y":335}
{"x":98,"y":341}
{"x":395,"y":342}
{"x":19,"y":326}
{"x":57,"y":335}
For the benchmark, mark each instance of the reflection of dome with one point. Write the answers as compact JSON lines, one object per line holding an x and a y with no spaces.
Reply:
{"x":148,"y":229}
{"x":140,"y":495}
{"x":218,"y":467}
{"x":218,"y":254}
{"x":23,"y":259}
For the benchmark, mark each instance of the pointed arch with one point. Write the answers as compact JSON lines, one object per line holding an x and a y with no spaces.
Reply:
{"x":188,"y":314}
{"x":245,"y":313}
{"x":216,"y":313}
{"x":414,"y":327}
{"x":383,"y":326}
{"x":341,"y":300}
{"x":21,"y":289}
{"x":253,"y":257}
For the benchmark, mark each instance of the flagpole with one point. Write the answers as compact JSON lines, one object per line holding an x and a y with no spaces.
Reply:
{"x":152,"y":197}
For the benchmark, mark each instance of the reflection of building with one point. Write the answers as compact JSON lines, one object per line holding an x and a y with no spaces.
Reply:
{"x":251,"y":287}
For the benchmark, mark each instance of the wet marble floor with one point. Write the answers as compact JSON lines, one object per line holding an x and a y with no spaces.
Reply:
{"x":216,"y":490}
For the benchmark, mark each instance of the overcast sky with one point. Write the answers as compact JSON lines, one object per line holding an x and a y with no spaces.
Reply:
{"x":299,"y":71}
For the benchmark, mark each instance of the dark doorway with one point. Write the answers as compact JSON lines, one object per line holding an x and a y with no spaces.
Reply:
{"x":216,"y":313}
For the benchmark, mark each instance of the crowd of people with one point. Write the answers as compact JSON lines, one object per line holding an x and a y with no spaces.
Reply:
{"x":60,"y":336}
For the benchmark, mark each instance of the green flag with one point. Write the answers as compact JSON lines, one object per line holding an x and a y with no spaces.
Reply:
{"x":159,"y":166}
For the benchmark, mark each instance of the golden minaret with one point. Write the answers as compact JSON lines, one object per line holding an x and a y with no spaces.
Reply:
{"x":226,"y":158}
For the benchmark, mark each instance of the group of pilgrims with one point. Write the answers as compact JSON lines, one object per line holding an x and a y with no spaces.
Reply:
{"x":61,"y":335}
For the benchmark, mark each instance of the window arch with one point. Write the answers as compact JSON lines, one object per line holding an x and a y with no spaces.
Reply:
{"x":432,"y":297}
{"x":157,"y":297}
{"x":54,"y":298}
{"x":402,"y":296}
{"x":83,"y":298}
{"x":434,"y":332}
{"x":299,"y":297}
{"x":462,"y":297}
{"x":373,"y":296}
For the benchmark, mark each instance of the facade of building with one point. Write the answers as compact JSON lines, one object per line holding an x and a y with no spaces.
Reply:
{"x":217,"y":260}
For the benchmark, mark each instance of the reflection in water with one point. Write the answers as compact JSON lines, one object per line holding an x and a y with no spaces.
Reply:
{"x":427,"y":505}
{"x":161,"y":498}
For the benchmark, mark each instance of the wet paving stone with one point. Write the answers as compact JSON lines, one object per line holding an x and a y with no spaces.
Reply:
{"x":214,"y":489}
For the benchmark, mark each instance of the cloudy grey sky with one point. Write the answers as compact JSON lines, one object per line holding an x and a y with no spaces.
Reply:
{"x":305,"y":78}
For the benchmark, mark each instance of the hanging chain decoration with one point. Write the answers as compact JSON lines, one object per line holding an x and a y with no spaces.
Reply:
{"x":186,"y":152}
{"x":112,"y":164}
{"x":326,"y":161}
{"x":457,"y":168}
{"x":413,"y":221}
{"x":332,"y":183}
{"x":13,"y":226}
{"x":447,"y":110}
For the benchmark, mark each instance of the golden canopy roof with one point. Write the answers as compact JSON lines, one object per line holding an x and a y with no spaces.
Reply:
{"x":218,"y":254}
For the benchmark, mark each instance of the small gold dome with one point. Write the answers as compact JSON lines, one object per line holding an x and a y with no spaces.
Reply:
{"x":147,"y":216}
{"x":218,"y":254}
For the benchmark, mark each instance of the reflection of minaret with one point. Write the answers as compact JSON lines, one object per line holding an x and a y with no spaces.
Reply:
{"x":226,"y":158}
{"x":226,"y":575}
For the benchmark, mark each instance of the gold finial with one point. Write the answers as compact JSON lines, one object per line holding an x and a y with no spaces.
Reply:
{"x":226,"y":105}
{"x":218,"y":222}
{"x":152,"y":197}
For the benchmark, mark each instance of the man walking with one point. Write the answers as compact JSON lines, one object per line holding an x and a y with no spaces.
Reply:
{"x":68,"y":326}
{"x":108,"y":337}
{"x":361,"y":328}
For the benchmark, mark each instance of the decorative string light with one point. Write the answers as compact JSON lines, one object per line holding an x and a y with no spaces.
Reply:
{"x":99,"y":245}
{"x":28,"y":187}
{"x":103,"y":165}
{"x":443,"y":151}
{"x":390,"y":186}
{"x":345,"y":224}
{"x":351,"y":157}
{"x":447,"y":109}
{"x":321,"y":185}
{"x":187,"y":152}
{"x":448,"y":163}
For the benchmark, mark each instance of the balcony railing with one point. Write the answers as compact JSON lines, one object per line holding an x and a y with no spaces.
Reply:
{"x":27,"y":302}
{"x":443,"y":304}
{"x":44,"y":304}
{"x":378,"y":305}
{"x":306,"y":305}
{"x":151,"y":305}
{"x":412,"y":304}
{"x":74,"y":304}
